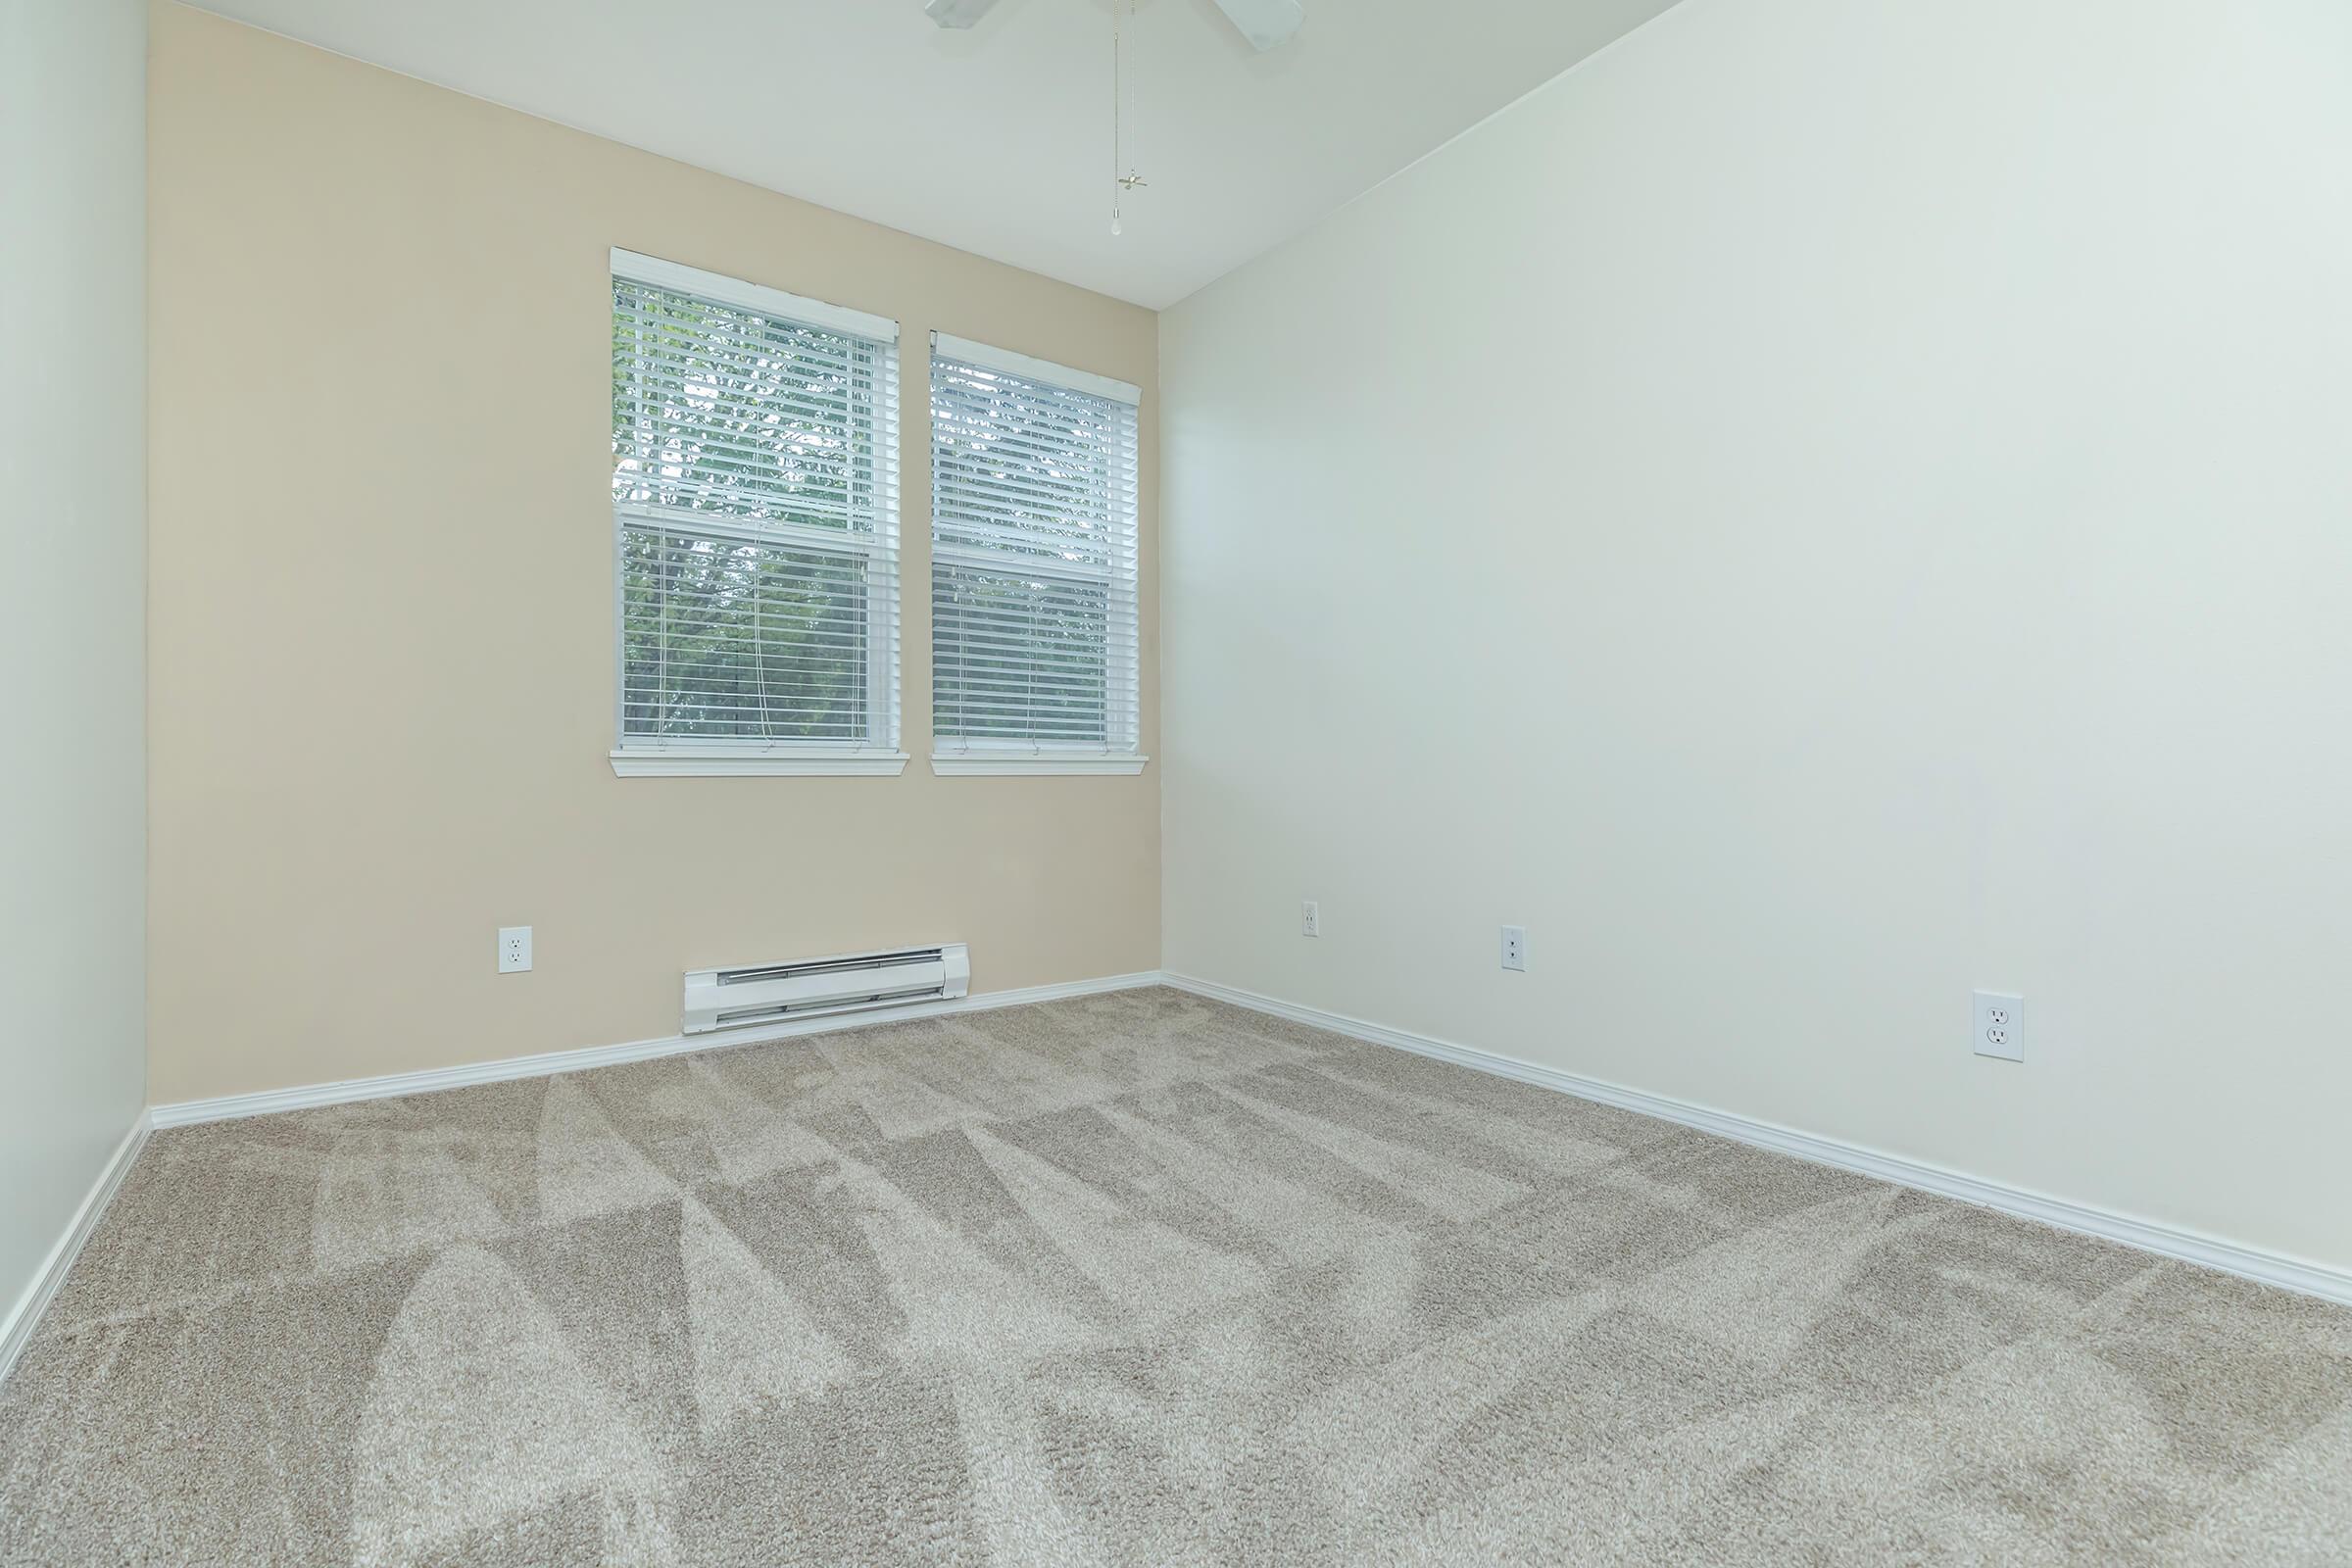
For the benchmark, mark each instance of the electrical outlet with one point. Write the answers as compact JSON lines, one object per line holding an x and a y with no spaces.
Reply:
{"x":2000,"y":1026}
{"x":1310,"y":918}
{"x":1514,"y":947}
{"x":513,"y":949}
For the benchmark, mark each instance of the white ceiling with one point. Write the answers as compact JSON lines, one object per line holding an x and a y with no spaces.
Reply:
{"x":998,"y":140}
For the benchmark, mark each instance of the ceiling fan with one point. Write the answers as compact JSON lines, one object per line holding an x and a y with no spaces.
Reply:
{"x":1266,"y":23}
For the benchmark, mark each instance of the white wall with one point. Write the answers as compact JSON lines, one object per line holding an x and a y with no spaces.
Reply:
{"x":1830,"y":504}
{"x":73,"y":627}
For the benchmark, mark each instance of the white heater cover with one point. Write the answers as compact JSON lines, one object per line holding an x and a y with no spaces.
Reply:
{"x":850,"y":982}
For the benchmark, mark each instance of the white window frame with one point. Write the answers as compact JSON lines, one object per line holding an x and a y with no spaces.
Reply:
{"x":954,"y":756}
{"x":650,"y":757}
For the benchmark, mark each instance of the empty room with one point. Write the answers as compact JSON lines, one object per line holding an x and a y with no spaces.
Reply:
{"x":1176,"y":782}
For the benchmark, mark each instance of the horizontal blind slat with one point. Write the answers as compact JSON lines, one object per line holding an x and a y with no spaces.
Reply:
{"x":748,"y":419}
{"x":1033,"y":614}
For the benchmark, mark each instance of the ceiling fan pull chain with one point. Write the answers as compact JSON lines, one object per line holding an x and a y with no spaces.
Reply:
{"x":1117,"y":185}
{"x":1123,"y":114}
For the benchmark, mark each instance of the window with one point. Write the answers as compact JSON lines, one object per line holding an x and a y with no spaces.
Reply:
{"x":1033,"y":565}
{"x":755,"y":502}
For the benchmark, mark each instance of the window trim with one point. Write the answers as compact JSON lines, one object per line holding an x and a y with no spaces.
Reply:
{"x":955,"y":755}
{"x":877,"y":754}
{"x":711,"y":759}
{"x":988,"y":762}
{"x":964,"y":351}
{"x":679,"y":278}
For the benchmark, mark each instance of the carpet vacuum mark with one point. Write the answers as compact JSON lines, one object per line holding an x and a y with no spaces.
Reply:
{"x":1137,"y":1278}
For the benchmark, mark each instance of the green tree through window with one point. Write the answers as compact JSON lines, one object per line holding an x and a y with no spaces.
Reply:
{"x":748,"y":484}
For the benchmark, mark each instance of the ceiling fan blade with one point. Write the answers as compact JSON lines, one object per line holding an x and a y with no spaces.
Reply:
{"x":1266,"y":23}
{"x":956,"y":13}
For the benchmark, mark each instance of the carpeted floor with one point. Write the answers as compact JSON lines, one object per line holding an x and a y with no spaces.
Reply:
{"x":1134,"y":1279}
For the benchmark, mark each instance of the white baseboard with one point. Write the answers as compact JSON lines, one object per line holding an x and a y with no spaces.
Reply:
{"x":15,"y":1330}
{"x":547,"y":1063}
{"x":2190,"y":1247}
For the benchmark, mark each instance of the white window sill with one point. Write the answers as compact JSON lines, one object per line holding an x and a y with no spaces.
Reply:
{"x":963,"y":764}
{"x":682,"y":761}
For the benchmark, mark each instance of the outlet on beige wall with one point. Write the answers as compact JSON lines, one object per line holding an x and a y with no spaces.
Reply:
{"x":382,"y":617}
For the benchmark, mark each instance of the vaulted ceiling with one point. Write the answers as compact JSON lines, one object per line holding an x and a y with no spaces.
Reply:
{"x":997,"y":140}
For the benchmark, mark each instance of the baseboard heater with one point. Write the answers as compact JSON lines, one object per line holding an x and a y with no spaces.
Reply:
{"x":764,"y":993}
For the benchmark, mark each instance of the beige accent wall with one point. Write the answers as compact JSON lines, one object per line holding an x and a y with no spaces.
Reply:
{"x":381,"y":620}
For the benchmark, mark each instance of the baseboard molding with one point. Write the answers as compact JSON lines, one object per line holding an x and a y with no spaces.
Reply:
{"x":2189,"y":1247}
{"x":15,"y":1330}
{"x":270,"y":1101}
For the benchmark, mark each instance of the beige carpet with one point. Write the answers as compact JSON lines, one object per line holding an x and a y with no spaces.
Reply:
{"x":1136,"y":1279}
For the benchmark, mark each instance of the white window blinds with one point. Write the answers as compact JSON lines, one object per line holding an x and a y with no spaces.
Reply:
{"x":1033,"y":546}
{"x":754,"y":497}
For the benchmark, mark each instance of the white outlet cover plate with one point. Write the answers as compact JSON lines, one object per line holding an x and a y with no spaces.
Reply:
{"x":2000,"y":1025}
{"x":513,"y":949}
{"x":1310,"y":918}
{"x":1514,"y":947}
